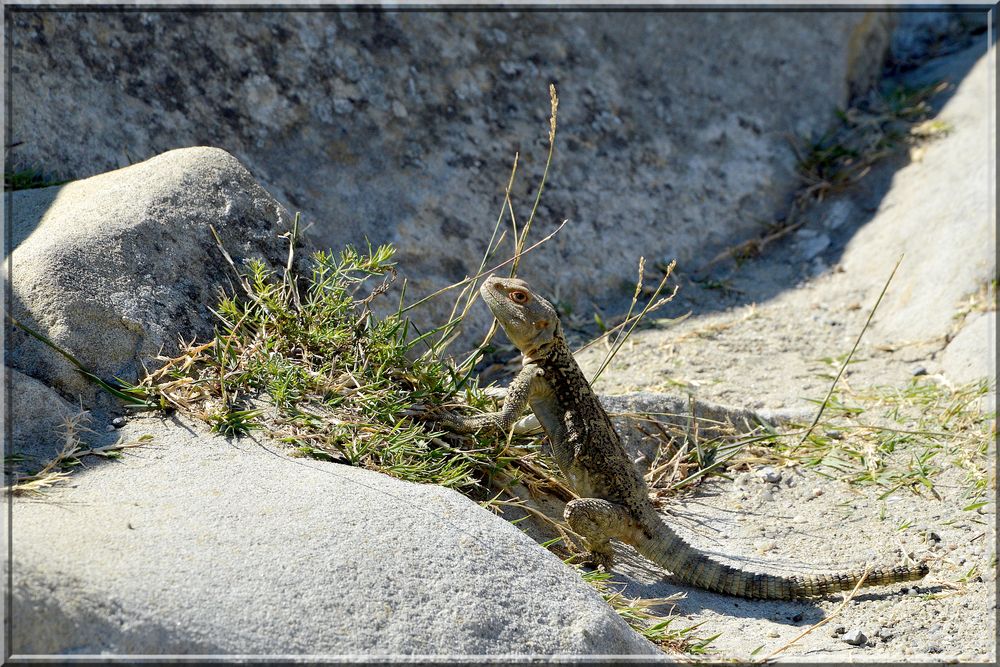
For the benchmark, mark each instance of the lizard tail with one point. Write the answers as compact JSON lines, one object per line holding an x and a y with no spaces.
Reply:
{"x":665,"y":548}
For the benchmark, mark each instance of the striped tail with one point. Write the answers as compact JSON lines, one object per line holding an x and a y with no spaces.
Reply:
{"x":691,"y":566}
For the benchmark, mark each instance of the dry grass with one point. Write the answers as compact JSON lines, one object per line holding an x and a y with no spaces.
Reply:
{"x":59,"y":468}
{"x":878,"y":126}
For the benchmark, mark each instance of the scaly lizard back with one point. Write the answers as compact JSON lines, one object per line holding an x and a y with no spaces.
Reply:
{"x":614,"y":500}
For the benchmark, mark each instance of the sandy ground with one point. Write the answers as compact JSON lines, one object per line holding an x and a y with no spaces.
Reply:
{"x":760,"y":343}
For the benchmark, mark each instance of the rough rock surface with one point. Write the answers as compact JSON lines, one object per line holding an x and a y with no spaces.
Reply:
{"x":194,"y":544}
{"x":35,"y":419}
{"x":401,"y":126}
{"x":972,"y":355}
{"x":115,"y":268}
{"x":937,"y":214}
{"x":767,"y":340}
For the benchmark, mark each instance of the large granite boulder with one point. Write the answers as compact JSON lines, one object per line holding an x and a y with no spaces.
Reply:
{"x":116,"y":268}
{"x":401,"y":126}
{"x":195,"y":544}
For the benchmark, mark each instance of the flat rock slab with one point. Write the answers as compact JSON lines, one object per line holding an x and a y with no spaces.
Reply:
{"x":971,"y":355}
{"x":937,"y":215}
{"x":197,"y":545}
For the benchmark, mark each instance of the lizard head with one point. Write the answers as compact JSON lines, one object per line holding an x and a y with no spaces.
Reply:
{"x":529,"y":321}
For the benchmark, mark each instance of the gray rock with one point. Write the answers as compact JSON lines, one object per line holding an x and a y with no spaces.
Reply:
{"x":36,"y":420}
{"x":971,"y":355}
{"x":818,"y":266}
{"x":769,"y":475}
{"x":679,"y":160}
{"x":810,"y":244}
{"x":937,"y":214}
{"x":919,"y":35}
{"x":201,"y":545}
{"x":116,"y":268}
{"x":838,"y":212}
{"x":855,"y":637}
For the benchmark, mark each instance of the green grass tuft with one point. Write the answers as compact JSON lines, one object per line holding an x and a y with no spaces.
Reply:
{"x":304,"y":358}
{"x":28,"y":179}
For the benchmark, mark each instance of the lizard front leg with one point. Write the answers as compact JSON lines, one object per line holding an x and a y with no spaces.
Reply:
{"x":518,"y":393}
{"x":524,"y":425}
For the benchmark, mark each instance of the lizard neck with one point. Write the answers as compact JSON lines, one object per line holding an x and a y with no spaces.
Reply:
{"x":545,"y":351}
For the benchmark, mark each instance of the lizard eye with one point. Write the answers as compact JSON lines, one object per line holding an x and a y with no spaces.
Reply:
{"x":518,"y":296}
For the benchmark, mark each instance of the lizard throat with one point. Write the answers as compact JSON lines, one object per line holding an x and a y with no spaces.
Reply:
{"x":537,"y":353}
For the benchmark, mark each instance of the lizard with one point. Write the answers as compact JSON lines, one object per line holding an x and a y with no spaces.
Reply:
{"x":613,"y":499}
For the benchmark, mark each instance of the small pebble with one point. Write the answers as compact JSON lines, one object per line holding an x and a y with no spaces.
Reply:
{"x":833,"y":435}
{"x":839,"y":630}
{"x":855,"y":637}
{"x":109,"y":428}
{"x":118,"y":422}
{"x":773,"y":634}
{"x":796,"y":618}
{"x":917,"y":371}
{"x":817,"y":492}
{"x":933,"y":649}
{"x":769,"y":475}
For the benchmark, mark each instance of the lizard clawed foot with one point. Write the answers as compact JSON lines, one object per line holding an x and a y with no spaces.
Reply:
{"x":600,"y":560}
